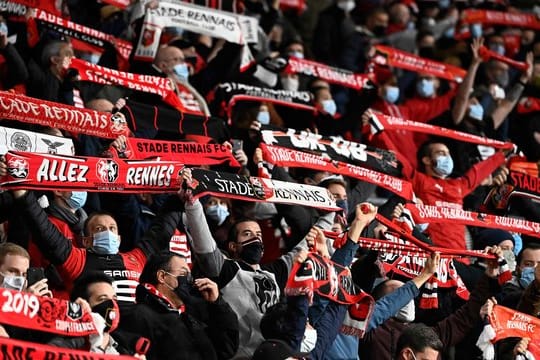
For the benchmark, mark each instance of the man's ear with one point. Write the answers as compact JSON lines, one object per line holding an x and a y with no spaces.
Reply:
{"x":55,"y":59}
{"x":232,"y":248}
{"x":87,"y":241}
{"x":160,"y":276}
{"x":426,"y":160}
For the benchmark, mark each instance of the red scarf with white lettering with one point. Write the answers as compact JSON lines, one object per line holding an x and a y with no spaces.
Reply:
{"x":490,"y":17}
{"x":161,"y":86}
{"x":487,"y":54}
{"x":46,"y":5}
{"x":297,"y":5}
{"x":439,"y":214}
{"x":186,"y":152}
{"x":293,"y":158}
{"x":42,"y":313}
{"x":379,"y":122}
{"x":55,"y":172}
{"x":508,"y":323}
{"x":388,"y":56}
{"x":61,"y":116}
{"x":29,"y":350}
{"x":86,"y":34}
{"x":331,"y":74}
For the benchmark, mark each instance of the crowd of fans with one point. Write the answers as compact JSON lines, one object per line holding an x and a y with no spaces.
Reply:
{"x":207,"y":278}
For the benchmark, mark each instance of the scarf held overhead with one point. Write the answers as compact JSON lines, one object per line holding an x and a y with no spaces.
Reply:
{"x":29,"y":141}
{"x":490,"y":17}
{"x":65,"y":117}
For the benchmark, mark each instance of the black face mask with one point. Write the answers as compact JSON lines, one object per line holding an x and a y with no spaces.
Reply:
{"x":252,"y":251}
{"x":379,"y":30}
{"x":110,"y":312}
{"x":185,"y":284}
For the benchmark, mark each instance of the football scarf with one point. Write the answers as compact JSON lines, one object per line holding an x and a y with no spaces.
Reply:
{"x":505,"y":323}
{"x":379,"y":122}
{"x":42,"y":313}
{"x":86,"y":34}
{"x":528,"y":104}
{"x":293,"y":158}
{"x":29,"y":141}
{"x":330,"y":74}
{"x":335,"y":148}
{"x":188,"y":153}
{"x":65,"y":117}
{"x":252,"y":188}
{"x":388,"y":56}
{"x":46,"y":5}
{"x":296,"y":5}
{"x":17,"y":349}
{"x":490,"y":17}
{"x":487,"y":54}
{"x":231,"y":27}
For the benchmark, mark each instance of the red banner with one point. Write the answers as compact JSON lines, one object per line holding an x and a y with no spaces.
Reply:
{"x":161,"y":86}
{"x":381,"y":121}
{"x":487,"y":54}
{"x":528,"y":105}
{"x":53,"y":172}
{"x":490,"y":17}
{"x":297,"y":5}
{"x":188,"y":153}
{"x":61,"y":116}
{"x":331,"y":74}
{"x":16,"y":349}
{"x":293,"y":158}
{"x":387,"y":56}
{"x":438,"y":214}
{"x":42,"y":313}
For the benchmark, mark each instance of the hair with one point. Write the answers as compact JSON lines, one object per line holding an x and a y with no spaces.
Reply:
{"x":12,"y":249}
{"x":418,"y":337}
{"x":233,"y":231}
{"x":93,"y":215}
{"x":51,"y":49}
{"x":327,"y":182}
{"x":526,"y":246}
{"x":81,"y":285}
{"x":274,"y":321}
{"x":161,"y":261}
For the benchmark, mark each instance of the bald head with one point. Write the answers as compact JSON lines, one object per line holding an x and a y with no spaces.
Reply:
{"x":167,"y":57}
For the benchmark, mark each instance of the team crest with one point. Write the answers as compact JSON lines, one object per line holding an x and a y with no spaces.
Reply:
{"x":107,"y":170}
{"x":18,"y":168}
{"x":20,"y":142}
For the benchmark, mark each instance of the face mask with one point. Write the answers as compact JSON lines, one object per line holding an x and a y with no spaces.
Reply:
{"x":106,"y":242}
{"x":498,"y":48}
{"x":450,"y":33}
{"x":13,"y":282}
{"x":502,"y":79}
{"x":289,"y":83}
{"x":185,"y":284}
{"x":476,"y":30}
{"x":110,"y":312}
{"x":379,"y":30}
{"x":346,"y":6}
{"x":343,"y":204}
{"x":297,"y":54}
{"x":263,"y":117}
{"x":252,"y":251}
{"x":425,"y":88}
{"x":391,"y":94}
{"x":309,"y":340}
{"x":329,"y":106}
{"x":3,"y":28}
{"x":76,"y":200}
{"x":406,"y":313}
{"x":422,"y":227}
{"x":527,"y":276}
{"x":217,"y":213}
{"x":181,"y":70}
{"x":444,"y":165}
{"x":476,"y":111}
{"x":510,"y":259}
{"x":444,"y":4}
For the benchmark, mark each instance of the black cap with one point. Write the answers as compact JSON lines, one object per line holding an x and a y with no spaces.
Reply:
{"x":276,"y":350}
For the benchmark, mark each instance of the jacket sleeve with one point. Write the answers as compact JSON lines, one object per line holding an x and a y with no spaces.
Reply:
{"x":158,"y":236}
{"x":389,"y":305}
{"x":18,"y":72}
{"x":455,"y":327}
{"x":474,"y":177}
{"x":223,"y":329}
{"x":209,"y":257}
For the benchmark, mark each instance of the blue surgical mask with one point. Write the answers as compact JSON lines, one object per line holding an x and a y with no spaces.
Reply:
{"x":181,"y":70}
{"x":297,"y":54}
{"x":343,"y":204}
{"x":217,"y":213}
{"x":498,"y":48}
{"x":476,"y":30}
{"x":450,"y":32}
{"x":76,"y":200}
{"x":391,"y":94}
{"x":329,"y":106}
{"x":263,"y":117}
{"x":476,"y":111}
{"x":527,"y":276}
{"x":106,"y":242}
{"x":425,"y":88}
{"x":3,"y":28}
{"x":444,"y":165}
{"x":422,"y":227}
{"x":444,"y":4}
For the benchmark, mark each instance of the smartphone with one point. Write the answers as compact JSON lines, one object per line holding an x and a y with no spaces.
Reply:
{"x":237,"y":144}
{"x":34,"y":274}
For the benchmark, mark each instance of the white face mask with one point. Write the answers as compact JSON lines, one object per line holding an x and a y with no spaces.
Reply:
{"x":13,"y":282}
{"x":346,"y":6}
{"x":309,"y":341}
{"x":406,"y":313}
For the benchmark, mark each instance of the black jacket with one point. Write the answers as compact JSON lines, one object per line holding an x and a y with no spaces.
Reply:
{"x":204,"y":331}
